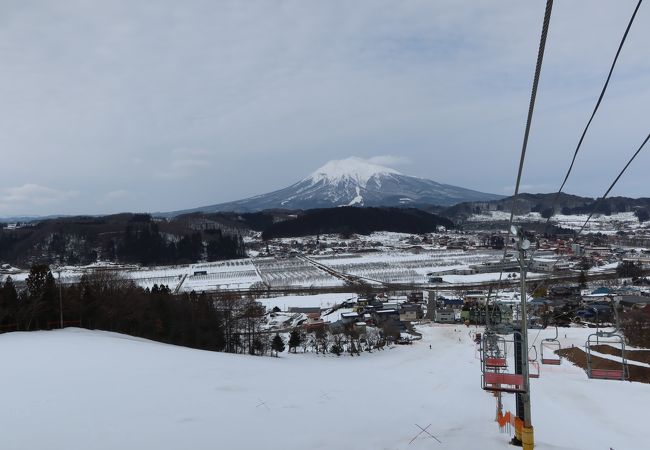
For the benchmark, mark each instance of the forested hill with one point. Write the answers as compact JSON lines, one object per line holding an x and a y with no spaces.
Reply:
{"x":126,"y":238}
{"x":349,"y":220}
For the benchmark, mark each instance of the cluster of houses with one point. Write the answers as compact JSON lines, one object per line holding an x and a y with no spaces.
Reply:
{"x":362,"y":312}
{"x":561,"y":304}
{"x":311,"y":246}
{"x":588,"y":306}
{"x":381,"y":311}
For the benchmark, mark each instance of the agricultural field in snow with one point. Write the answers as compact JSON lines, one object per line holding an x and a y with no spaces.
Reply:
{"x":293,"y":271}
{"x":76,"y":389}
{"x":388,"y":266}
{"x":221,"y":275}
{"x":403,"y":266}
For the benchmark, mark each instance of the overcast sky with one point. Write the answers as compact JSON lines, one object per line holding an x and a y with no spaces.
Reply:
{"x":161,"y":105}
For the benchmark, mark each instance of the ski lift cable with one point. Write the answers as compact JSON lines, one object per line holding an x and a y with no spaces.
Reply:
{"x":611,"y":186}
{"x":609,"y":189}
{"x":593,"y":114}
{"x":529,"y":120}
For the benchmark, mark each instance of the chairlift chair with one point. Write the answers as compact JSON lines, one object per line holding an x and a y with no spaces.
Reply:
{"x":494,"y":366}
{"x":613,"y":340}
{"x":552,"y":346}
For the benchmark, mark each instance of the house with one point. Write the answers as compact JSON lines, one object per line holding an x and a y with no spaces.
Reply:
{"x":349,"y":317}
{"x":305,"y":310}
{"x":564,"y":291}
{"x":444,"y":315}
{"x":475,"y":297}
{"x":360,"y":327}
{"x":548,"y":265}
{"x":455,"y":303}
{"x":384,"y":315}
{"x":409,"y":312}
{"x":313,"y":323}
{"x":499,"y":313}
{"x":539,"y":306}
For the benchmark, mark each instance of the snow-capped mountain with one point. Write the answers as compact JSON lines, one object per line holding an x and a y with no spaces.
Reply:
{"x":355,"y":181}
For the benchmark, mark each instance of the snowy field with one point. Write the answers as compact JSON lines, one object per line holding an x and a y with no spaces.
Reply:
{"x":76,"y":390}
{"x":323,"y":301}
{"x":388,"y":266}
{"x":230,"y":274}
{"x":598,"y":223}
{"x":403,"y":266}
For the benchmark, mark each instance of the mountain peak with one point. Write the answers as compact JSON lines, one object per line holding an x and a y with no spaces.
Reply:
{"x":357,"y":169}
{"x":354,"y":181}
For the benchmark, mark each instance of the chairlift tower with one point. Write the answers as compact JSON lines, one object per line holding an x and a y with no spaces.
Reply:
{"x":523,"y":244}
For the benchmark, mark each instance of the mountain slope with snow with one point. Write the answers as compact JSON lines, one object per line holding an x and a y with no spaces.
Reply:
{"x":76,"y":390}
{"x":354,"y":181}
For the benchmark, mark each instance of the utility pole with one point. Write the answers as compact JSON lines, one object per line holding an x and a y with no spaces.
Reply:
{"x":58,"y":271}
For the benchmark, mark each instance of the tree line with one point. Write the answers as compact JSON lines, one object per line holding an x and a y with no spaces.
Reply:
{"x":103,"y":300}
{"x":134,"y":238}
{"x":224,"y":322}
{"x":146,"y":245}
{"x":349,"y":220}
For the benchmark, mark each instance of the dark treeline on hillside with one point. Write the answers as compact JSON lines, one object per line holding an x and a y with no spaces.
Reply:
{"x":144,"y":244}
{"x":103,"y":301}
{"x":125,"y":238}
{"x":350,"y":219}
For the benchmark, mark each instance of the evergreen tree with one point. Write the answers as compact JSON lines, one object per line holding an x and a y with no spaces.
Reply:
{"x":36,"y":280}
{"x":8,"y":302}
{"x":277,"y":344}
{"x":582,"y":279}
{"x":294,"y":340}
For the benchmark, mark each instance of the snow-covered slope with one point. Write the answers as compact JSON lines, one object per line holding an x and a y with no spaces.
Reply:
{"x":77,"y":390}
{"x":355,"y":181}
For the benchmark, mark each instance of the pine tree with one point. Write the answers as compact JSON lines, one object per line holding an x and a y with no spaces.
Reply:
{"x":277,"y":344}
{"x":8,"y":302}
{"x":294,"y":340}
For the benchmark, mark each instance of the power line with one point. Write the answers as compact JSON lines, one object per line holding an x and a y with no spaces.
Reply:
{"x":600,"y":99}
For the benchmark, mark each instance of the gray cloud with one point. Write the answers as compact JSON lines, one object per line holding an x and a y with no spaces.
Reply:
{"x":191,"y":103}
{"x":21,"y":199}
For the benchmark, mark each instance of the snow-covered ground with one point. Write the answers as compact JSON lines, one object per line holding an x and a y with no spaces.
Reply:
{"x":598,"y":223}
{"x":75,"y":389}
{"x":389,"y":266}
{"x":321,"y":300}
